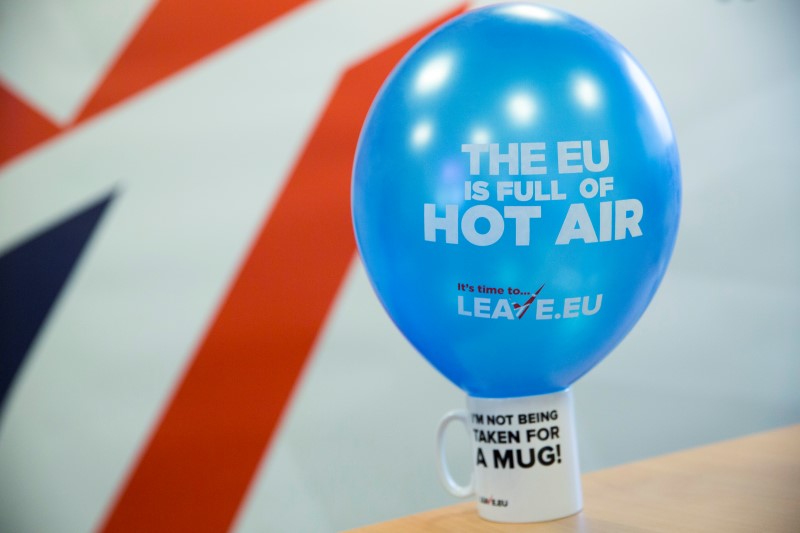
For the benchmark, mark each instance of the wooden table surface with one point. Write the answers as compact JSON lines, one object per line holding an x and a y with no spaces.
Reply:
{"x":751,"y":484}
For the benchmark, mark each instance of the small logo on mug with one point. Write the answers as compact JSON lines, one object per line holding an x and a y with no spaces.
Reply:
{"x":494,"y":502}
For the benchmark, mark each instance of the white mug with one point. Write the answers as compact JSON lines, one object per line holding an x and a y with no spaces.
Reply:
{"x":525,"y":457}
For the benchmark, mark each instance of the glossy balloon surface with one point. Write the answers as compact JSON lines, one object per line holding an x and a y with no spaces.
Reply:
{"x":516,"y":148}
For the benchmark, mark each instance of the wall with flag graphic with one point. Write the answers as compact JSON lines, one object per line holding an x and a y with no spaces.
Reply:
{"x":188,"y":341}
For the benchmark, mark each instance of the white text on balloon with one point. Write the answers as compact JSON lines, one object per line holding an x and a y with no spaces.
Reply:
{"x":528,"y":158}
{"x":616,"y":220}
{"x":546,"y":308}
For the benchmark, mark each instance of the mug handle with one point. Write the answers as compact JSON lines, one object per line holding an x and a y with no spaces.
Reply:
{"x":446,"y":479}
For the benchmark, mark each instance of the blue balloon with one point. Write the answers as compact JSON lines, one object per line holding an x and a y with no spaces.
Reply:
{"x":516,"y":195}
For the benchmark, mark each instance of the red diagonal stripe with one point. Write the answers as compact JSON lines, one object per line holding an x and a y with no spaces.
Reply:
{"x":175,"y":34}
{"x":21,"y":126}
{"x":194,"y":472}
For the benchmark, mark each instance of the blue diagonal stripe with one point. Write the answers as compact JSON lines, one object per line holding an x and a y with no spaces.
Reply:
{"x":31,"y":277}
